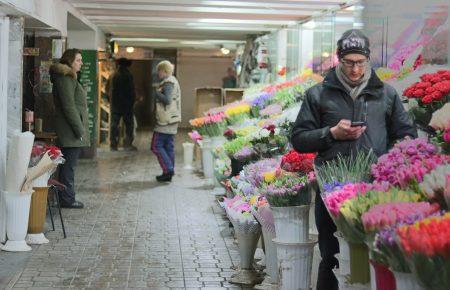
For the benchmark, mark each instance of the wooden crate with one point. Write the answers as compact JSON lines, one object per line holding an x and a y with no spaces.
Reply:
{"x":207,"y":98}
{"x":232,"y":95}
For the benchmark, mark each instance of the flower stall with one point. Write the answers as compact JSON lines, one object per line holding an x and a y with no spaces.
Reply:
{"x":391,"y":211}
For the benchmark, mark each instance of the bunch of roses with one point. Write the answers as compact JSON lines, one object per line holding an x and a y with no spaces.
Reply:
{"x":431,"y":88}
{"x":296,"y":162}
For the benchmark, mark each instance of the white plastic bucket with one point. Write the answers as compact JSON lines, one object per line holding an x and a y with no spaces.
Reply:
{"x":295,"y":264}
{"x":207,"y":159}
{"x":17,"y":214}
{"x":188,"y":154}
{"x":406,"y":281}
{"x":292,"y":223}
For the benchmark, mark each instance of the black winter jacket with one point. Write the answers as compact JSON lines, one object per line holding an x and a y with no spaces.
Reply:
{"x":328,"y":102}
{"x":123,"y":92}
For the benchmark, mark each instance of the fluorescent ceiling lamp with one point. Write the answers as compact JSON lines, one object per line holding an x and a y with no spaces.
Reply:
{"x":188,"y":42}
{"x":128,"y":39}
{"x":310,"y":24}
{"x":227,"y":28}
{"x":246,"y":21}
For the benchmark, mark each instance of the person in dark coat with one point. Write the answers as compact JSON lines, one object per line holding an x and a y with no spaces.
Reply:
{"x":71,"y":120}
{"x":351,"y":110}
{"x":122,"y":101}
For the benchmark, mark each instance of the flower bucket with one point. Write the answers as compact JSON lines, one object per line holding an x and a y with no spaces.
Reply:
{"x":247,"y":238}
{"x":344,"y":255}
{"x":359,"y":263}
{"x":384,"y":278}
{"x":406,"y":281}
{"x":188,"y":155}
{"x":291,"y":223}
{"x":207,"y":159}
{"x":36,"y":221}
{"x":17,"y":213}
{"x":295,"y":264}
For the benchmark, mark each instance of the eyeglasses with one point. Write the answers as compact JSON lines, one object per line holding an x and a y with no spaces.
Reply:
{"x":351,"y":63}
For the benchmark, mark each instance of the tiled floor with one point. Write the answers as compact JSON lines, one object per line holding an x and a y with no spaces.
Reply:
{"x":134,"y":232}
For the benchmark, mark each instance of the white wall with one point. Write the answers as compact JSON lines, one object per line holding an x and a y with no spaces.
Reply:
{"x":53,"y":13}
{"x":195,"y":72}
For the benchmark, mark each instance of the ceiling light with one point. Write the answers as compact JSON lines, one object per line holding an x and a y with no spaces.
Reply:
{"x":310,"y":24}
{"x":127,"y":39}
{"x":326,"y":54}
{"x":130,"y":49}
{"x":225,"y":51}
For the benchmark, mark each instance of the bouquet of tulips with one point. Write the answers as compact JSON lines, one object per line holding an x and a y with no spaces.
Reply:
{"x":426,"y":245}
{"x":271,"y":110}
{"x":407,"y":162}
{"x":234,"y":146}
{"x":353,"y":209}
{"x":385,"y":241}
{"x":237,"y":112}
{"x":215,"y":125}
{"x":434,"y":184}
{"x":282,"y":188}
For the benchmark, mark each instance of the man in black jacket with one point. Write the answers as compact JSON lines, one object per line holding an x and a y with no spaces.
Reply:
{"x":122,"y":101}
{"x":351,"y":110}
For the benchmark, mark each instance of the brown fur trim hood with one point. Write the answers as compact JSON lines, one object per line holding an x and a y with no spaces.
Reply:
{"x":60,"y":69}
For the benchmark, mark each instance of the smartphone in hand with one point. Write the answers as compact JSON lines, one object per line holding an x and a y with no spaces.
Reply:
{"x":358,"y":124}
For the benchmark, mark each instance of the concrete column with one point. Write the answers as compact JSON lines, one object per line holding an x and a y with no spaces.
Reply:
{"x":4,"y":44}
{"x":15,"y":74}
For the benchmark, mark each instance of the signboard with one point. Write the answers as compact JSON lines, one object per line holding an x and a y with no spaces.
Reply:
{"x":88,"y":79}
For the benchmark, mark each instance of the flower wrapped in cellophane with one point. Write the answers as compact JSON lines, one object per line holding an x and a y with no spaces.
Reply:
{"x":426,"y":245}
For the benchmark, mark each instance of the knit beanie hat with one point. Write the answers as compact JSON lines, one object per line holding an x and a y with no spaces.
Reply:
{"x":353,"y":41}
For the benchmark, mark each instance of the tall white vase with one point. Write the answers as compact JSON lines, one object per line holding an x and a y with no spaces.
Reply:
{"x":17,"y":214}
{"x":207,"y":159}
{"x":188,"y":154}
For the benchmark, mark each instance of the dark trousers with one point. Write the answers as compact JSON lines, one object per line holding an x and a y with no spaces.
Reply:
{"x":129,"y":128}
{"x":162,"y":146}
{"x":328,"y":246}
{"x":67,"y":174}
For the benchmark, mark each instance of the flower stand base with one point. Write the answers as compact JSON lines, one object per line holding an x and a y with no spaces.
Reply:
{"x":16,"y":246}
{"x":246,"y":277}
{"x":267,"y":284}
{"x":37,"y":239}
{"x":344,"y":284}
{"x":295,"y":264}
{"x":406,"y":281}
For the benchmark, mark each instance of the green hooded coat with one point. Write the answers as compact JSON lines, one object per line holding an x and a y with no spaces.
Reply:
{"x":71,"y":114}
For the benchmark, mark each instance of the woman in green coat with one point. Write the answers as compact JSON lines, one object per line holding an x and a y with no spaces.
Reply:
{"x":71,"y":120}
